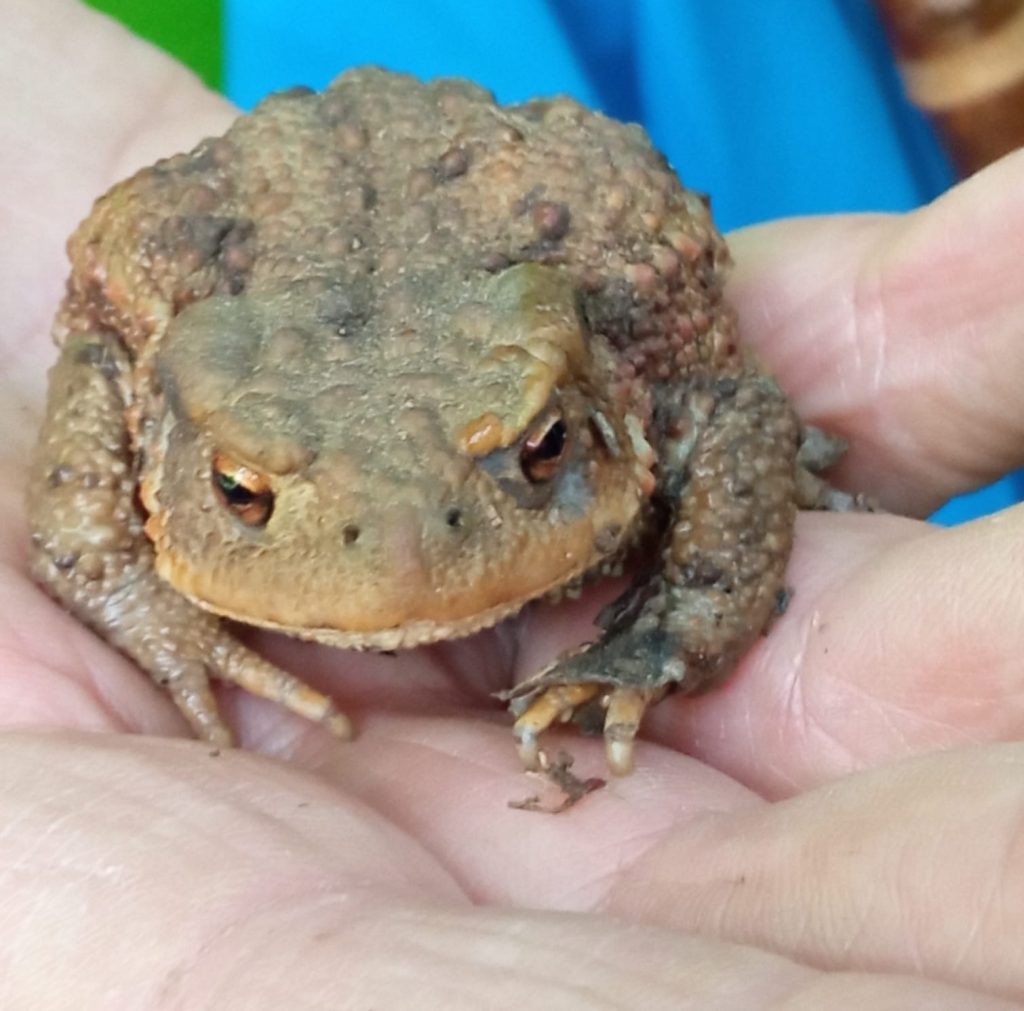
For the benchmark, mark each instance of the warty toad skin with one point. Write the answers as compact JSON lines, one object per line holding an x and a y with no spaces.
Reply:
{"x":380,"y":366}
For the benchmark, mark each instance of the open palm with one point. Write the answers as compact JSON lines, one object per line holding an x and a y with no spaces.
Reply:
{"x":839,"y":826}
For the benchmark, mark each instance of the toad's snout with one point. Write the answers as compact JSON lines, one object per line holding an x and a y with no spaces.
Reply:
{"x":405,"y":544}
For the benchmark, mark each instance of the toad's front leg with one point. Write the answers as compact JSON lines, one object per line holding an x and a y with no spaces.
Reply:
{"x":732,"y":505}
{"x":92,"y":554}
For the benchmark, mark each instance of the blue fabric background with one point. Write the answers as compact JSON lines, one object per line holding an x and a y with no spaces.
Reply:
{"x":775,"y":107}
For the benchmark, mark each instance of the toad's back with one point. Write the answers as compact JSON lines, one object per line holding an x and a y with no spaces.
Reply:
{"x":384,"y":176}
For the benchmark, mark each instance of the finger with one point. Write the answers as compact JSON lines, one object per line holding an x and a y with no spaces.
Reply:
{"x":901,"y":333}
{"x":912,"y":868}
{"x":249,"y":885}
{"x":900,"y":638}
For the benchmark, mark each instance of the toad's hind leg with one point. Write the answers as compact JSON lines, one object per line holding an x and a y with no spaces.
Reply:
{"x":92,"y":554}
{"x":717,"y":584}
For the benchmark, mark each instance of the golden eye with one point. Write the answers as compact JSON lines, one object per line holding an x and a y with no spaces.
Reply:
{"x":242,"y":491}
{"x":544,"y":448}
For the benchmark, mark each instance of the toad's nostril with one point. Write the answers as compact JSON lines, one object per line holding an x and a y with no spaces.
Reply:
{"x":454,"y":518}
{"x":350,"y":534}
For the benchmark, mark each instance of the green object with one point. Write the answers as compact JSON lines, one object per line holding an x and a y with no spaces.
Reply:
{"x":190,"y":30}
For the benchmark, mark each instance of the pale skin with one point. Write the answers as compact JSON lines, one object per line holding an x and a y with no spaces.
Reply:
{"x":843,"y":829}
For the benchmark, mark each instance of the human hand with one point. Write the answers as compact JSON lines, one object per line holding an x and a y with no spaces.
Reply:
{"x":798,"y":852}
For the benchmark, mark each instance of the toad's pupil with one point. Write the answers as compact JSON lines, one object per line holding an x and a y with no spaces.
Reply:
{"x":551,"y":446}
{"x":251,"y":505}
{"x":234,"y":491}
{"x":541,"y":455}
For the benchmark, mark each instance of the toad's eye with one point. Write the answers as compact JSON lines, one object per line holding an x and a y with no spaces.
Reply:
{"x":544,"y":449}
{"x":242,"y":491}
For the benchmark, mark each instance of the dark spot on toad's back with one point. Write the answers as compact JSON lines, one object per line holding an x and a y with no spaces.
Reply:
{"x":494,"y":262}
{"x":342,"y":310}
{"x":609,"y":311}
{"x":453,"y":163}
{"x":551,"y":220}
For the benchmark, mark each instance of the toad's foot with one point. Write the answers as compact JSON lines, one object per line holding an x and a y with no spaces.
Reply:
{"x":246,"y":669}
{"x":188,"y":682}
{"x":91,"y":553}
{"x":182,"y":648}
{"x":623,"y":709}
{"x":603,"y":688}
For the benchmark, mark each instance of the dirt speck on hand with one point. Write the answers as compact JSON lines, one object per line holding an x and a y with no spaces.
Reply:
{"x":571,"y":788}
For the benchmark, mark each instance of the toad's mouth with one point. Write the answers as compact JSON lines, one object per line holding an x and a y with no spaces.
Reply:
{"x":407,"y":634}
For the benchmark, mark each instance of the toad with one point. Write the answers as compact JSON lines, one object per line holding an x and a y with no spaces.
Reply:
{"x":382,"y":365}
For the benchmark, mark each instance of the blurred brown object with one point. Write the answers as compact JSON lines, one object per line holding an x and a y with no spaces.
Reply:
{"x":962,"y":62}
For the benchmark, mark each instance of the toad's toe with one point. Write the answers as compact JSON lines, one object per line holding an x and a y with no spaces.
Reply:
{"x":258,"y":677}
{"x":555,"y":704}
{"x":626,"y":707}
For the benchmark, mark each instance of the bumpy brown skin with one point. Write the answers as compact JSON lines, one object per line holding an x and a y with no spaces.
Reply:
{"x":469,"y":355}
